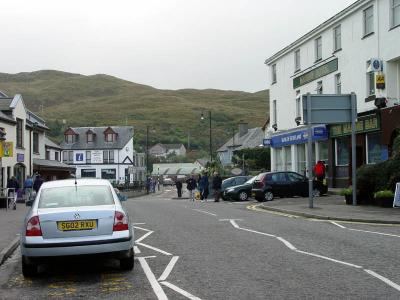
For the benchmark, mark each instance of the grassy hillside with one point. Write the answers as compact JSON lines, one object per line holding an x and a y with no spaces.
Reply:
{"x":105,"y":100}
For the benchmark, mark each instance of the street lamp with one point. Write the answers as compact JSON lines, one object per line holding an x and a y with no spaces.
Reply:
{"x":209,"y":118}
{"x":147,"y":158}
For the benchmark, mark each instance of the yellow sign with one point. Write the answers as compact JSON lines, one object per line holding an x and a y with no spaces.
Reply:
{"x":380,"y":81}
{"x":6,"y":149}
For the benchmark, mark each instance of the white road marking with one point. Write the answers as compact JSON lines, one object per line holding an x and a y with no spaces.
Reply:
{"x":374,"y":232}
{"x":223,"y":220}
{"x":143,"y":237}
{"x":180,"y":291}
{"x":154,"y":248}
{"x":133,"y":224}
{"x":330,"y":259}
{"x":136,"y":250}
{"x":205,"y":212}
{"x":168,"y":269}
{"x":384,"y":279}
{"x":141,"y":228}
{"x":150,"y":256}
{"x":287,"y":244}
{"x":290,"y":246}
{"x":152,"y":279}
{"x":338,"y":225}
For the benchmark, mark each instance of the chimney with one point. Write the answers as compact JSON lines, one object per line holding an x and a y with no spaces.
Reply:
{"x":243,"y":128}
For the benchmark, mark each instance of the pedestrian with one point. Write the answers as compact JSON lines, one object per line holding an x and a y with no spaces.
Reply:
{"x":178,"y":185}
{"x":319,"y":171}
{"x":191,"y":186}
{"x":217,"y":185}
{"x":13,"y":186}
{"x":37,"y":183}
{"x":28,"y":184}
{"x":203,"y":187}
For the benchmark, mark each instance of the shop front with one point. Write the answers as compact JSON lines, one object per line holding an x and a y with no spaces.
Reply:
{"x":289,"y":149}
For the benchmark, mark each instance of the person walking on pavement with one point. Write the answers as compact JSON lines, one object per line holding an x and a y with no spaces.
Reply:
{"x":28,"y":184}
{"x":203,"y":187}
{"x":178,"y":185}
{"x":319,"y":171}
{"x":13,"y":186}
{"x":217,"y":185}
{"x":38,"y":183}
{"x":191,"y":186}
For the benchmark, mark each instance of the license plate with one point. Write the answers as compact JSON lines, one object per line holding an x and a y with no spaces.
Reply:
{"x":253,"y":194}
{"x":76,"y":225}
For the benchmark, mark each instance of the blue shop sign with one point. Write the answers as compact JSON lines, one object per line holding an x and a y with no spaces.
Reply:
{"x":267,"y":142}
{"x":298,"y":137}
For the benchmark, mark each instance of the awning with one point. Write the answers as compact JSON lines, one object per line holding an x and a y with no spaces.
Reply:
{"x":44,"y":164}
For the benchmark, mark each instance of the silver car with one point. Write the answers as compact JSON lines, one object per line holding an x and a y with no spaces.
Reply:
{"x":76,"y":217}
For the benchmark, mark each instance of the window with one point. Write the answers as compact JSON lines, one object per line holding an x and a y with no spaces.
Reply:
{"x":20,"y":126}
{"x":278,"y":177}
{"x":90,"y":137}
{"x":111,"y":156}
{"x":395,"y":12}
{"x":337,"y":38}
{"x":288,"y":158}
{"x":108,"y":156}
{"x":48,"y":154}
{"x":297,"y":65}
{"x":88,"y":173}
{"x":301,"y":158}
{"x":320,"y":89}
{"x":293,"y":177}
{"x":298,"y":106}
{"x":368,"y":20}
{"x":323,"y":152}
{"x":318,"y":49}
{"x":279,"y":159}
{"x":342,"y":152}
{"x":338,"y":83}
{"x":374,"y":148}
{"x":36,"y":143}
{"x":274,"y":112}
{"x":105,"y":156}
{"x":273,"y":73}
{"x":69,"y":138}
{"x":88,"y":157}
{"x":65,"y":156}
{"x":56,"y":156}
{"x":108,"y":174}
{"x":110,"y":137}
{"x":71,"y":156}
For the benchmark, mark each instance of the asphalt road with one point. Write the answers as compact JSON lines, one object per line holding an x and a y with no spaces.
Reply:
{"x":188,"y":250}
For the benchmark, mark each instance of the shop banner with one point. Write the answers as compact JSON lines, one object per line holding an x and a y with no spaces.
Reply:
{"x":298,"y":137}
{"x":6,"y":149}
{"x":396,"y":202}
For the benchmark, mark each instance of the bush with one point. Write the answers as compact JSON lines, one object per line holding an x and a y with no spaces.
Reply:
{"x":384,"y":198}
{"x":346,"y":192}
{"x":396,"y":146}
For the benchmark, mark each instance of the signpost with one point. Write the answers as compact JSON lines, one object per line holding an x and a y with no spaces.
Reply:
{"x":330,"y":109}
{"x":396,"y":202}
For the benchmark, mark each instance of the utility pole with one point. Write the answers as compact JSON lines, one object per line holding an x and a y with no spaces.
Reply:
{"x":147,"y":159}
{"x":211,"y":156}
{"x":188,"y":140}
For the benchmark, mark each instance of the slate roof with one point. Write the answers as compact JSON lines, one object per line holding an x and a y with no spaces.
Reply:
{"x":40,"y":164}
{"x":125,"y":133}
{"x":51,"y":144}
{"x":252,"y":139}
{"x":5,"y":103}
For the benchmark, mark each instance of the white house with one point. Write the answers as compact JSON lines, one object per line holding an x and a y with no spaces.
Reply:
{"x":357,"y":50}
{"x":103,"y":152}
{"x":163,"y":150}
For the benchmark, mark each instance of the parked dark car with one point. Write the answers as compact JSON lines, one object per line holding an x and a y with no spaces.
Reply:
{"x":240,"y":192}
{"x":233,"y":181}
{"x":267,"y":186}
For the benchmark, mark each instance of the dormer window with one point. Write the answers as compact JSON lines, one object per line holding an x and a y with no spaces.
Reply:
{"x":90,"y":137}
{"x":110,"y":137}
{"x":69,"y":138}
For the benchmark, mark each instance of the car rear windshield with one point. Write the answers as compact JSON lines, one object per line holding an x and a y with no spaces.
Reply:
{"x":71,"y":196}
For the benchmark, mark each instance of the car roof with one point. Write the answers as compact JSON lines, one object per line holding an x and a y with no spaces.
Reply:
{"x":71,"y":182}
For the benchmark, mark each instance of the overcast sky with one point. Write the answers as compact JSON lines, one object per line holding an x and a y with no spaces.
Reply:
{"x":168,"y":44}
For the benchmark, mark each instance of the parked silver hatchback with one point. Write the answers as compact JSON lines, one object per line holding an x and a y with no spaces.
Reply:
{"x":76,"y":217}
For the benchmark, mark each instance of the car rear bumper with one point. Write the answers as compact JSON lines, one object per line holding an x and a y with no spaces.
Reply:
{"x":39,"y":247}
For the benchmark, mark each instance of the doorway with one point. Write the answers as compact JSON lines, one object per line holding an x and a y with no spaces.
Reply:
{"x":19,"y":173}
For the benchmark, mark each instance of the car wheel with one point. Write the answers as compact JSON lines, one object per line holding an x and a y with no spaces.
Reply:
{"x":29,"y":270}
{"x":127,"y":264}
{"x":316,"y":193}
{"x":268,"y":196}
{"x":243,"y":196}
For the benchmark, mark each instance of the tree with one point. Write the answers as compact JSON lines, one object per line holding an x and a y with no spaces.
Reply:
{"x":255,"y":159}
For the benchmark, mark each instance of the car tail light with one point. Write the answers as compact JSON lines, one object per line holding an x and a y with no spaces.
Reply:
{"x":33,"y":227}
{"x":120,"y":222}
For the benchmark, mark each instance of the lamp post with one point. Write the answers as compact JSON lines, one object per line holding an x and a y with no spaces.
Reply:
{"x":147,"y":160}
{"x":2,"y":139}
{"x":209,"y":119}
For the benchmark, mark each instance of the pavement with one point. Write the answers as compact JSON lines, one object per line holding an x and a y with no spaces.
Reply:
{"x":333,"y":207}
{"x":227,"y":250}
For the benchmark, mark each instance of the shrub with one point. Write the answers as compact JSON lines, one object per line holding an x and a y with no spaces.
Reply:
{"x":346,"y":192}
{"x":396,"y":146}
{"x":384,"y":194}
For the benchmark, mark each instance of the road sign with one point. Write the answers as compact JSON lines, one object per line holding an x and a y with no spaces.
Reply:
{"x":396,"y":202}
{"x":330,"y":109}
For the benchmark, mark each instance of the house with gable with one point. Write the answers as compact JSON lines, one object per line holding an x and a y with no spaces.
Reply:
{"x":163,"y":150}
{"x":104,"y":152}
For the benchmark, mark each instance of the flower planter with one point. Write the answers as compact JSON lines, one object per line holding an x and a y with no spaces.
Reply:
{"x":349,"y":199}
{"x":384,"y":202}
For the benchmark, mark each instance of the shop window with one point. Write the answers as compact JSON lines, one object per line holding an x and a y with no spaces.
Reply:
{"x":288,"y":158}
{"x":301,"y":159}
{"x":88,"y":173}
{"x":279,"y":159}
{"x":342,"y":152}
{"x":108,"y":174}
{"x":374,"y":148}
{"x":323,"y":151}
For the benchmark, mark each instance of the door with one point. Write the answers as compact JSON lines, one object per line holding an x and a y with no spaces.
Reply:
{"x":298,"y":184}
{"x":279,"y":184}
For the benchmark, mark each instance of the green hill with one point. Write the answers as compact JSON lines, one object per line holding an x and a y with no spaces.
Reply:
{"x":100,"y":100}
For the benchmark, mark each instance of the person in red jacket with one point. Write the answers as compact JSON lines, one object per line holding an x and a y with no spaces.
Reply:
{"x":319,"y":171}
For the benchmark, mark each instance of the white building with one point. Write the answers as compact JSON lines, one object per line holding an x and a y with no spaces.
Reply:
{"x":163,"y":150}
{"x":103,"y":152}
{"x":348,"y":53}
